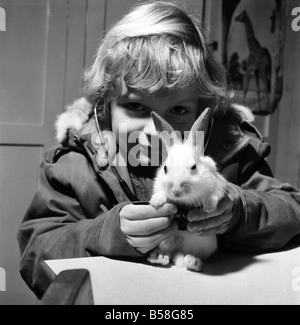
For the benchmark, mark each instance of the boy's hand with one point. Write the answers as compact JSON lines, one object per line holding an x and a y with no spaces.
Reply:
{"x":146,"y":227}
{"x":213,"y":223}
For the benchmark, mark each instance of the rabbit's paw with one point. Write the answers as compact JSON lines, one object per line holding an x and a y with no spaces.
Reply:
{"x":193,"y":263}
{"x":158,"y":256}
{"x":158,"y":200}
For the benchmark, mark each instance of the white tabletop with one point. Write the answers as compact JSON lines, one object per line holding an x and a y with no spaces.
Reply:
{"x":228,"y":278}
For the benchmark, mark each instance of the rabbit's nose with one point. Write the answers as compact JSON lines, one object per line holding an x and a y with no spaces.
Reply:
{"x":176,"y":191}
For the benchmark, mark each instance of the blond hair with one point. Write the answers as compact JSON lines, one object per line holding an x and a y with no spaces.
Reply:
{"x":156,"y":48}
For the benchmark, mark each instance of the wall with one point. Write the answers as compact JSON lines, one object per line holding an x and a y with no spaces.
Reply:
{"x":288,"y":131}
{"x":32,"y":70}
{"x":280,"y":129}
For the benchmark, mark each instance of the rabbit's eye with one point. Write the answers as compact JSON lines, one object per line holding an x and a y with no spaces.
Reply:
{"x":165,"y":169}
{"x":194,"y":167}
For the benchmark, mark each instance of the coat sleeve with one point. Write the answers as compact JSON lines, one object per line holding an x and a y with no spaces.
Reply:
{"x":267,"y":216}
{"x":64,"y":221}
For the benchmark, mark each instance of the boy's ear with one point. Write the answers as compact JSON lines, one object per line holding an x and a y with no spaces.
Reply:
{"x":165,"y":131}
{"x":199,"y":129}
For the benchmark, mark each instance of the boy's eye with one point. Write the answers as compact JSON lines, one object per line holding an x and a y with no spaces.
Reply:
{"x":137,"y":110}
{"x":179,"y":110}
{"x":136,"y":107}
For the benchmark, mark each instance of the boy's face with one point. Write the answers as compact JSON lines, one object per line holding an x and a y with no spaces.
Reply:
{"x":131,"y":111}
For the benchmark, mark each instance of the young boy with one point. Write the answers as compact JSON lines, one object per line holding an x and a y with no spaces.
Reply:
{"x":157,"y":59}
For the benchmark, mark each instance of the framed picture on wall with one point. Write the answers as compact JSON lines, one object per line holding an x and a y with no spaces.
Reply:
{"x":253,"y":34}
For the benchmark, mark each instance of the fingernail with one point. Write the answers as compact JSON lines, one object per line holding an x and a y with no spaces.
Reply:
{"x":194,"y":216}
{"x":191,"y":218}
{"x":173,"y":209}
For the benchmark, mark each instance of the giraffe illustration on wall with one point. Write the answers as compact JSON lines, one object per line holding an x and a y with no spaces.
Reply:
{"x":259,"y":62}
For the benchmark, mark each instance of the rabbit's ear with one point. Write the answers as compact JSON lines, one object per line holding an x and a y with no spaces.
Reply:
{"x":165,"y":131}
{"x":199,"y":130}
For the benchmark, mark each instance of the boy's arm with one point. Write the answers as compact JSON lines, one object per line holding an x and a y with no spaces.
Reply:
{"x":268,"y":216}
{"x":59,"y":224}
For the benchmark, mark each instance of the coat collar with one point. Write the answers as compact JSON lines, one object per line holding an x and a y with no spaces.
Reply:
{"x":226,"y":140}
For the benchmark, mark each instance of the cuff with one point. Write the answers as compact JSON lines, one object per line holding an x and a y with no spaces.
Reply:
{"x":239,"y":214}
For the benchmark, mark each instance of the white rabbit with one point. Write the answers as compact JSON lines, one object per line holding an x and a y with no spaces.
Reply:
{"x":190,"y":180}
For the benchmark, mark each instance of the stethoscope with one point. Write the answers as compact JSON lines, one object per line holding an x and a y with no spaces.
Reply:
{"x":122,"y":182}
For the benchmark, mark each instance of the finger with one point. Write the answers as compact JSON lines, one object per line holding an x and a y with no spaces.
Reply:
{"x":208,"y":223}
{"x":110,"y":144}
{"x":142,"y":212}
{"x":145,"y":227}
{"x":147,"y":243}
{"x":106,"y":146}
{"x":215,"y":231}
{"x":105,"y":139}
{"x":104,"y":120}
{"x":198,"y":214}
